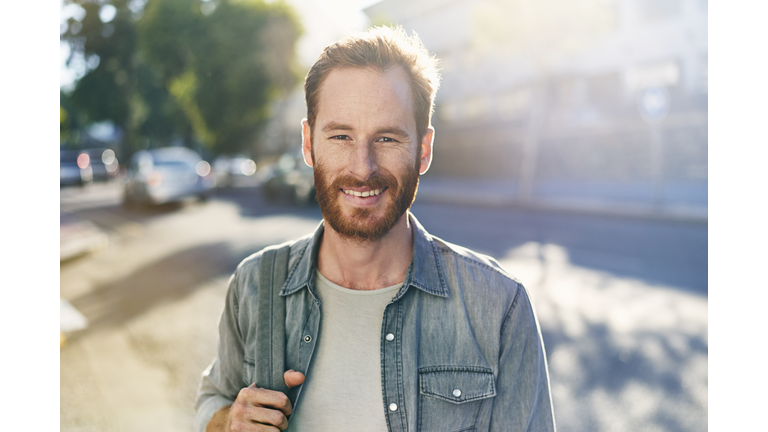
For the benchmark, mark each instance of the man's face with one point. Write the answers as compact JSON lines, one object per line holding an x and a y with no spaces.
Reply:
{"x":365,"y":151}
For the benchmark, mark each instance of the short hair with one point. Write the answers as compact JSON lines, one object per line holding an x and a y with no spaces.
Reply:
{"x":380,"y":48}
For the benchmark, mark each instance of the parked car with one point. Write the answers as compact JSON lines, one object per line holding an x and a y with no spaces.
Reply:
{"x":167,"y":174}
{"x":103,"y":163}
{"x":234,"y":171}
{"x":290,"y":178}
{"x":75,"y":168}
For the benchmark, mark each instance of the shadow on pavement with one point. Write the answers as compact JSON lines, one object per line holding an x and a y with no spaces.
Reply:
{"x":252,"y":203}
{"x":666,"y":253}
{"x":152,"y":210}
{"x":165,"y":280}
{"x":661,"y":376}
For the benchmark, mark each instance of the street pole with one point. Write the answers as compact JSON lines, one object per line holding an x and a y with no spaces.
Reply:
{"x":653,"y":105}
{"x":531,"y":145}
{"x":657,"y":167}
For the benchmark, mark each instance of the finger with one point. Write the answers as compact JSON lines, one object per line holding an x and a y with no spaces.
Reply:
{"x":244,"y":424}
{"x":261,"y":397}
{"x":293,"y":378}
{"x":267,"y":416}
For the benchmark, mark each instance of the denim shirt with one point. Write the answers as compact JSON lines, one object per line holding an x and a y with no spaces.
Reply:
{"x":461,"y":347}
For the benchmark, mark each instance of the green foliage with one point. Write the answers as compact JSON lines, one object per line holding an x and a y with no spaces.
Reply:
{"x":203,"y":71}
{"x":100,"y":94}
{"x":70,"y":121}
{"x":223,"y":67}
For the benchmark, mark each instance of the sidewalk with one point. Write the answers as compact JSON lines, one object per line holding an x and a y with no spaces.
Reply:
{"x":79,"y":237}
{"x":684,"y":201}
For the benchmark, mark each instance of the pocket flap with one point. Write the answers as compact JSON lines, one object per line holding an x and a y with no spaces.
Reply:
{"x":457,"y":384}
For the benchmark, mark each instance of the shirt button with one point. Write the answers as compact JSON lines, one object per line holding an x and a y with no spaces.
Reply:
{"x":457,"y":392}
{"x":393,"y":407}
{"x":390,"y":337}
{"x":307,"y":338}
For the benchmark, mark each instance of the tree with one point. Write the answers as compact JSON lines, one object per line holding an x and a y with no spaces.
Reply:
{"x":223,"y":62}
{"x":202,"y":71}
{"x":119,"y":85}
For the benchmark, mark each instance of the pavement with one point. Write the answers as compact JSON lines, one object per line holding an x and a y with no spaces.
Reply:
{"x":684,"y":202}
{"x":679,"y":201}
{"x":79,"y":237}
{"x":625,"y":353}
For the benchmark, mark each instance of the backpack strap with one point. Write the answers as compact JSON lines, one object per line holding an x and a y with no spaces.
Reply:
{"x":270,"y":327}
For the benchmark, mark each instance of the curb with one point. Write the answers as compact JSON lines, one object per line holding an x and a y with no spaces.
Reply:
{"x":597,"y":207}
{"x":70,"y":320}
{"x":79,"y":237}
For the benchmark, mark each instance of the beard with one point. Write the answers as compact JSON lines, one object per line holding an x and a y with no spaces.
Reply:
{"x":363,"y":224}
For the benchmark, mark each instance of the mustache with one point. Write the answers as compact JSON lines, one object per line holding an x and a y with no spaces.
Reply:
{"x":377,"y":181}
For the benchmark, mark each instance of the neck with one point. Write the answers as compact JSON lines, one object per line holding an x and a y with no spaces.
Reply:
{"x":367,"y":265}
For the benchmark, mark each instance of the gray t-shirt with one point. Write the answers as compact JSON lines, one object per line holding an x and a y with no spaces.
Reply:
{"x":342,"y":390}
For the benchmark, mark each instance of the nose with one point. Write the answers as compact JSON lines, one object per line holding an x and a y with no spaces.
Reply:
{"x":363,"y":163}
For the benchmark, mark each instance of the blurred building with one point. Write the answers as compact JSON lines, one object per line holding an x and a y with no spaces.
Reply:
{"x":549,"y":94}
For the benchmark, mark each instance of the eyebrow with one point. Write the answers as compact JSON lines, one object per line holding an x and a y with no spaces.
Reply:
{"x":335,"y":126}
{"x":394,"y":130}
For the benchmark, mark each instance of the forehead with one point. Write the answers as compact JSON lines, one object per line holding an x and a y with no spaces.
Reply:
{"x":366,"y":97}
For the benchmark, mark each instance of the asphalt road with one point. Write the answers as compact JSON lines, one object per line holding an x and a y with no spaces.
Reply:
{"x":622,"y":305}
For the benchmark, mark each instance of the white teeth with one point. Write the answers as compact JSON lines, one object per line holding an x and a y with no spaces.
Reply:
{"x":363,"y":194}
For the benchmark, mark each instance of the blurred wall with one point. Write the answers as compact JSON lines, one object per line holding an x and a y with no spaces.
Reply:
{"x":554,"y":84}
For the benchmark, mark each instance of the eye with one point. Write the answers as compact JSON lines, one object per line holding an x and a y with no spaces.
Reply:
{"x":386,"y":139}
{"x":340,"y":137}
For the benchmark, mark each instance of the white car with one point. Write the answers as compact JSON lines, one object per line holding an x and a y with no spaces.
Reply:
{"x":167,"y":174}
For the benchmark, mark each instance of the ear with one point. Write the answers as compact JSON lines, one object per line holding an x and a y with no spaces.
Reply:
{"x":306,"y":143}
{"x":426,"y":150}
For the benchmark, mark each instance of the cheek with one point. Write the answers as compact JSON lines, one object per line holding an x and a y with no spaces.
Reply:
{"x":327,"y":157}
{"x":398,"y":156}
{"x":333,"y":153}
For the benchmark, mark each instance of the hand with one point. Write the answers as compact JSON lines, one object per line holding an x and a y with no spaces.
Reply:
{"x":259,"y":409}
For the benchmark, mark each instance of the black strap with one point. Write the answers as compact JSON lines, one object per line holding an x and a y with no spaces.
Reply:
{"x":273,"y":271}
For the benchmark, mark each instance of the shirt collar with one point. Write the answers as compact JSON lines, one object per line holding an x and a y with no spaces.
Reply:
{"x":424,"y":271}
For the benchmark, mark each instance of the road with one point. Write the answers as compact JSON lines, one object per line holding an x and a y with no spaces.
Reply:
{"x":622,"y":304}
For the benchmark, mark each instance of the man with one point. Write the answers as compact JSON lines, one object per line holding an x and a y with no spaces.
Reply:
{"x":385,"y":326}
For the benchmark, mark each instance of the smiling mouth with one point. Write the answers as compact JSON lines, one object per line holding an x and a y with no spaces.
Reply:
{"x":365,"y":193}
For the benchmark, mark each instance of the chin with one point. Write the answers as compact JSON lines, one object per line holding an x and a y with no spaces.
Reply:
{"x":363,"y":224}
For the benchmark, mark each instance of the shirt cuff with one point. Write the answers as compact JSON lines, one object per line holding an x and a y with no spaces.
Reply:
{"x":207,"y":409}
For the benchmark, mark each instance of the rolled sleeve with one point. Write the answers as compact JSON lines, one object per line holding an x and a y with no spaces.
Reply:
{"x":523,"y":401}
{"x":209,"y":401}
{"x":222,"y":380}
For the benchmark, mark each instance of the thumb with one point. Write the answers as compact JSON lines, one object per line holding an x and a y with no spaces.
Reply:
{"x":293,"y":378}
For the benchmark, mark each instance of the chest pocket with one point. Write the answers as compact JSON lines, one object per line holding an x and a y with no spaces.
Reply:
{"x":451,"y":397}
